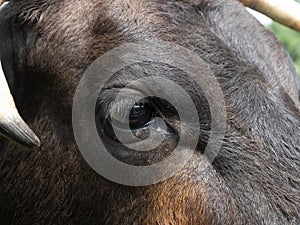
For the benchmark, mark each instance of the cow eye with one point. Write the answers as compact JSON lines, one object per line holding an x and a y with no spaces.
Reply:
{"x":140,"y":116}
{"x":134,"y":129}
{"x":130,"y":118}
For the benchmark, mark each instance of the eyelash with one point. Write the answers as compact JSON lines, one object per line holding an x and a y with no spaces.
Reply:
{"x":121,"y":107}
{"x":109,"y":103}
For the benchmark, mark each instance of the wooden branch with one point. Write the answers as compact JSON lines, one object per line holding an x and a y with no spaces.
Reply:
{"x":286,"y":12}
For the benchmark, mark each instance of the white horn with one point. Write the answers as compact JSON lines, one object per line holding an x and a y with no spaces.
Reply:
{"x":12,"y":125}
{"x":286,"y":12}
{"x":2,"y":1}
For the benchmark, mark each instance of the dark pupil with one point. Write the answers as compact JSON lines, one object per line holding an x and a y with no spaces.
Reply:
{"x":140,"y":115}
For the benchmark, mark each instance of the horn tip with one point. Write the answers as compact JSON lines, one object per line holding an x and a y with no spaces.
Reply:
{"x":34,"y":141}
{"x":17,"y":130}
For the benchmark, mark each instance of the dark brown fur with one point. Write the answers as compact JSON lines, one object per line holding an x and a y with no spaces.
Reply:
{"x":46,"y":46}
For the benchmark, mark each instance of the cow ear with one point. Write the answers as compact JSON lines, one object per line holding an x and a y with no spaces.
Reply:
{"x":254,"y":45}
{"x":12,"y":42}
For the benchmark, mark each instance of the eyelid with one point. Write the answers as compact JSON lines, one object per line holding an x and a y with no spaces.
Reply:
{"x":121,"y":107}
{"x":107,"y":104}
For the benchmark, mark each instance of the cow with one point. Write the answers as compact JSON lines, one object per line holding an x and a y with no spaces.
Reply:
{"x":45,"y":48}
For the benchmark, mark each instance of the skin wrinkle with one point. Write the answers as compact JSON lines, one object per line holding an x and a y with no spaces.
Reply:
{"x":253,"y":180}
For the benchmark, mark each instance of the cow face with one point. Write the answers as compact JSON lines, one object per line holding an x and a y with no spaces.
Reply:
{"x":46,"y":46}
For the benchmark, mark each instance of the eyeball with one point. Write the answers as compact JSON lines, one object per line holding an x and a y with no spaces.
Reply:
{"x":140,"y":116}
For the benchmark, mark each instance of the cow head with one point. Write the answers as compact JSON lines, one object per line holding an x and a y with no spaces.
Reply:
{"x":45,"y":48}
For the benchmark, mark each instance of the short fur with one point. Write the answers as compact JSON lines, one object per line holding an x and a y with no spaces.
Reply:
{"x":45,"y":47}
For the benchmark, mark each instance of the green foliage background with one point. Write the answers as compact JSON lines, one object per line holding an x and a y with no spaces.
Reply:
{"x":291,"y":41}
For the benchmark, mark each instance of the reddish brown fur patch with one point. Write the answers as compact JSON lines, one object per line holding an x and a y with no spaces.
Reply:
{"x":174,"y":203}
